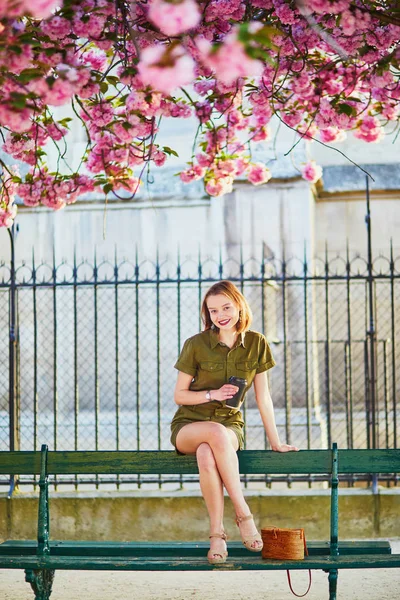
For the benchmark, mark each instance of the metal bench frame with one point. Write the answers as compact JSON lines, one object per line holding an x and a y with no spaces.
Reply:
{"x":41,"y":559}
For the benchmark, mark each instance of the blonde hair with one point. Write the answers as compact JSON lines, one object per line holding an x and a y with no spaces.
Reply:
{"x":229,"y":290}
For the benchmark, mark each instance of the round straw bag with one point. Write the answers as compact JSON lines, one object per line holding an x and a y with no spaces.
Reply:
{"x":283,"y":544}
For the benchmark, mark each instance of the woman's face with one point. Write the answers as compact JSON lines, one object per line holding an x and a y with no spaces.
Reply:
{"x":223,"y":311}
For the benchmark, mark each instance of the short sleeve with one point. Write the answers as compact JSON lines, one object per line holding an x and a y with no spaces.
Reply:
{"x":265,"y":358}
{"x":186,"y":361}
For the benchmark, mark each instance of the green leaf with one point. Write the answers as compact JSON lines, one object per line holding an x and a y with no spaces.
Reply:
{"x":103,"y":87}
{"x":265,"y":35}
{"x":17,"y":100}
{"x":346,"y":109}
{"x":112,"y":80}
{"x":64,"y":122}
{"x":107,"y":188}
{"x":28,"y":74}
{"x":169,"y":151}
{"x":15,"y":49}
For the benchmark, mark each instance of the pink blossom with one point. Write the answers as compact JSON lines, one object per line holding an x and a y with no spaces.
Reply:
{"x":369,"y":130}
{"x":203,"y":86}
{"x":203,"y":111}
{"x":165,"y":71}
{"x":292,"y":118}
{"x":60,"y":92}
{"x":258,"y":174}
{"x":159,"y":158}
{"x":203,"y":160}
{"x":241,"y":166}
{"x":332,"y":134}
{"x":17,"y":62}
{"x":219,"y":187}
{"x":56,"y":131}
{"x":262,"y":134}
{"x":311,"y":171}
{"x":174,"y":17}
{"x":96,"y":58}
{"x":56,"y":28}
{"x":348,"y":23}
{"x":325,"y":6}
{"x":285,"y":14}
{"x":227,"y":167}
{"x":225,"y":9}
{"x":16,"y":120}
{"x":192,"y":174}
{"x":8,"y":209}
{"x":39,"y":9}
{"x":92,"y":28}
{"x":229,"y":61}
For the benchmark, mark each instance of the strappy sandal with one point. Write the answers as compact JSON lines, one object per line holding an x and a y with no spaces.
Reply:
{"x":217,"y":558}
{"x":249,"y":540}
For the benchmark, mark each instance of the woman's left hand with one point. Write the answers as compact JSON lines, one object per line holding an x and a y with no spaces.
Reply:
{"x":285,"y":448}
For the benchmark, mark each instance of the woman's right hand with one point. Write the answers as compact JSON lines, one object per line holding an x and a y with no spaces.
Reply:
{"x":225,"y":392}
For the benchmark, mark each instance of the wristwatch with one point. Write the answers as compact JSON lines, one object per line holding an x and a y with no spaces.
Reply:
{"x":208,"y":396}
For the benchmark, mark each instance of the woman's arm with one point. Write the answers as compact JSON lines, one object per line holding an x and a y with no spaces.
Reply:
{"x":184,"y":396}
{"x":266,"y":408}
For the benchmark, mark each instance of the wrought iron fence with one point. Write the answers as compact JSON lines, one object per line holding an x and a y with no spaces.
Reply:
{"x":95,"y":343}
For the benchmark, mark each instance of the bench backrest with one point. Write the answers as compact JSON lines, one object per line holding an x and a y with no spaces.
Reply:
{"x":167,"y":462}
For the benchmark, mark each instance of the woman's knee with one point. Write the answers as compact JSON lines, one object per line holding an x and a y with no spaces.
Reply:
{"x":205,"y":457}
{"x":219,"y":436}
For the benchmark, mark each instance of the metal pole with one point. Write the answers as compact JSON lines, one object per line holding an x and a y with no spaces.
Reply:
{"x":371,"y":333}
{"x":13,"y":349}
{"x":373,"y":441}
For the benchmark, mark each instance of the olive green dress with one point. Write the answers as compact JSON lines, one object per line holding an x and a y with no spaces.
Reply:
{"x":211,"y":363}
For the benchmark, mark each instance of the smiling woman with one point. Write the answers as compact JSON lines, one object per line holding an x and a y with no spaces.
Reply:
{"x":205,"y":424}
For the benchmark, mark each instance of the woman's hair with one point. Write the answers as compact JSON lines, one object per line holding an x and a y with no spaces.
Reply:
{"x":230,"y":291}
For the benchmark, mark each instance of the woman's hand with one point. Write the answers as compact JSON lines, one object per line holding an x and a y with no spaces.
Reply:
{"x":285,"y":448}
{"x":225,"y":392}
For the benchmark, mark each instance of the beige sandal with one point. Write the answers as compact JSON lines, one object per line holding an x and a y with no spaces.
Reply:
{"x":249,"y":540}
{"x":217,"y":558}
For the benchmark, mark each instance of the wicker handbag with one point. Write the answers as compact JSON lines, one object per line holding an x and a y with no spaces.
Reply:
{"x":285,"y":544}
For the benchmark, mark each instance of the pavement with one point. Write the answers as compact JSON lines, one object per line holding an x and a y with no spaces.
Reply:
{"x":374,"y":584}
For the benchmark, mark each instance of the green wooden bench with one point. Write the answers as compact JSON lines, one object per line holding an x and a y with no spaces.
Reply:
{"x":43,"y":557}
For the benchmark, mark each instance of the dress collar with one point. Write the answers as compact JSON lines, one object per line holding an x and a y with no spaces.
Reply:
{"x":214,"y":340}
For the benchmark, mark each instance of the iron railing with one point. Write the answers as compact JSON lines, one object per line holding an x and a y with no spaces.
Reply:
{"x":90,"y":361}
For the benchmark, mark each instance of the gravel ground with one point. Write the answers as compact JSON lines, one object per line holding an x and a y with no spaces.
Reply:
{"x":374,"y":584}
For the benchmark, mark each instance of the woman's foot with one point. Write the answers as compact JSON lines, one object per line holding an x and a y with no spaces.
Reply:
{"x":248,"y":531}
{"x":218,"y":552}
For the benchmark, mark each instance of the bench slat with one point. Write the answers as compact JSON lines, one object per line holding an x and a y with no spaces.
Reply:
{"x":236,"y":549}
{"x":369,"y":461}
{"x":196,"y":564}
{"x":166,"y":462}
{"x":20,"y":463}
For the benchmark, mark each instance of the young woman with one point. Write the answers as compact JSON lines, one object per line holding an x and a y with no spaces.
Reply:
{"x":204,"y":425}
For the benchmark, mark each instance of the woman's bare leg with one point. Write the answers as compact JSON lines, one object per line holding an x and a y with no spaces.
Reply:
{"x":223,"y":444}
{"x":213,"y":494}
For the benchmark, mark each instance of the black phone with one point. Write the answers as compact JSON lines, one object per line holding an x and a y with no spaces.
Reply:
{"x":237,"y":399}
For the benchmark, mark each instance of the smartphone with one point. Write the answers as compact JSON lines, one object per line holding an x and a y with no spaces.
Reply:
{"x":236,"y":400}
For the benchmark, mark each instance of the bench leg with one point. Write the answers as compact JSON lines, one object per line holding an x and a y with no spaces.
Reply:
{"x":41,"y":582}
{"x":332,"y":578}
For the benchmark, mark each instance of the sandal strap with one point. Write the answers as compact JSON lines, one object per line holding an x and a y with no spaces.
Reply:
{"x":222,"y":535}
{"x":240,"y":519}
